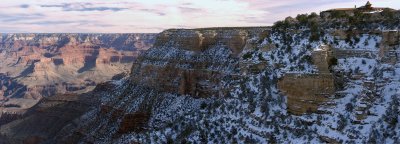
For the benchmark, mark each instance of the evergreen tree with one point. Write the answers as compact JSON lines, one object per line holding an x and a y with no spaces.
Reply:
{"x":391,"y":116}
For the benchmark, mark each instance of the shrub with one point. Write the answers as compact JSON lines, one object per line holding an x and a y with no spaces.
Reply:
{"x":315,"y":31}
{"x":366,"y":43}
{"x":247,"y":55}
{"x":260,"y":57}
{"x":377,"y":45}
{"x":307,"y":58}
{"x":302,"y":18}
{"x":203,"y":105}
{"x":391,"y":116}
{"x":289,"y":48}
{"x":349,"y":107}
{"x":281,"y":26}
{"x":356,"y":39}
{"x":313,"y":15}
{"x":332,"y":61}
{"x":363,"y":62}
{"x":342,"y":122}
{"x":357,"y":70}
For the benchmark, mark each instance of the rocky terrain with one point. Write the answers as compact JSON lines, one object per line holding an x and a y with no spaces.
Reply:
{"x":33,"y":66}
{"x":329,"y":79}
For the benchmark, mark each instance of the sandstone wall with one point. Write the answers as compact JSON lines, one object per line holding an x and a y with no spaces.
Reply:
{"x":193,"y":62}
{"x":388,"y":49}
{"x":306,"y":92}
{"x":320,"y":58}
{"x":199,"y":40}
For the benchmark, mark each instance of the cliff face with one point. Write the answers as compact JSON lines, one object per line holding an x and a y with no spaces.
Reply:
{"x":172,"y":80}
{"x":192,"y":62}
{"x":306,"y":92}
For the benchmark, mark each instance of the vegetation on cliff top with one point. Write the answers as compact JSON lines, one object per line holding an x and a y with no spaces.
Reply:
{"x":387,"y":19}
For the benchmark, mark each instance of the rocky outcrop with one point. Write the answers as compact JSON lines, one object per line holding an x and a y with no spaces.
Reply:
{"x":202,"y":39}
{"x":306,"y":93}
{"x":388,"y":49}
{"x":192,"y":62}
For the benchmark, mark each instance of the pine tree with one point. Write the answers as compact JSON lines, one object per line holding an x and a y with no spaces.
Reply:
{"x":391,"y":116}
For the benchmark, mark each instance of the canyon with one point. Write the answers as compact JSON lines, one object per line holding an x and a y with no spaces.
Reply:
{"x":332,"y":78}
{"x":33,"y":66}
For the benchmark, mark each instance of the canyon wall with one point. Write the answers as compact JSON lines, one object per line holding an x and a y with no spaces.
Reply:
{"x":192,"y":62}
{"x":33,"y":66}
{"x":184,"y":66}
{"x":47,"y":64}
{"x":307,"y":92}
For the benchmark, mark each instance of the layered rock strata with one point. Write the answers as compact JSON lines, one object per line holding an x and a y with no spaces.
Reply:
{"x":33,"y":66}
{"x":184,"y":66}
{"x":47,"y":64}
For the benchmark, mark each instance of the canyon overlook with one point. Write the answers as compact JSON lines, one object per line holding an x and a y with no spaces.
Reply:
{"x":33,"y":66}
{"x":329,"y":78}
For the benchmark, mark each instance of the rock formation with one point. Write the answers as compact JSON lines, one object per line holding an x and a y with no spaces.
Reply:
{"x":33,"y":66}
{"x":306,"y":92}
{"x":197,"y":62}
{"x":47,"y":64}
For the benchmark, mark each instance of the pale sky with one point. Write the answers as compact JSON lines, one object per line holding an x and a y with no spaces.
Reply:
{"x":144,"y":16}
